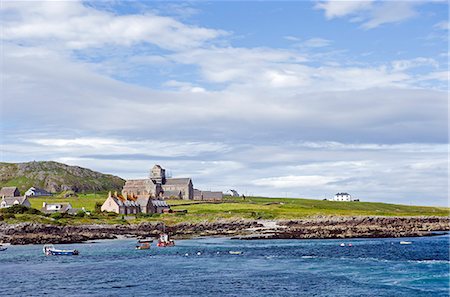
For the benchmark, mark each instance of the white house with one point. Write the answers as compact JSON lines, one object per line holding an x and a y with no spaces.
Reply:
{"x":342,"y":197}
{"x":10,"y":201}
{"x":63,"y":207}
{"x":36,"y":192}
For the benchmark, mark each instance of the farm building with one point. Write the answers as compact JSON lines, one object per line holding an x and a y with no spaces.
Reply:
{"x":36,"y":192}
{"x":17,"y":200}
{"x":9,"y":192}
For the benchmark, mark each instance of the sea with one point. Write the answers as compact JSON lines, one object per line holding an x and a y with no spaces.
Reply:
{"x":205,"y":267}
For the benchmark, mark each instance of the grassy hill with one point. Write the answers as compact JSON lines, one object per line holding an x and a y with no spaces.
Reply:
{"x":56,"y":177}
{"x":290,"y":208}
{"x":251,"y":208}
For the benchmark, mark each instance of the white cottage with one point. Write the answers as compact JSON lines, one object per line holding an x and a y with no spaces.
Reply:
{"x":342,"y":197}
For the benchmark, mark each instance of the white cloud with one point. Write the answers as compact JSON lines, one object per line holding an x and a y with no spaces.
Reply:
{"x":113,"y":146}
{"x":444,"y":25}
{"x":401,"y":65}
{"x":75,"y":26}
{"x":370,"y":14}
{"x":336,"y":9}
{"x":391,"y":12}
{"x":291,"y":181}
{"x":317,"y":42}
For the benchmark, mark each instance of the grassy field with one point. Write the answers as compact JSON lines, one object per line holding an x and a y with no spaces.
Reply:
{"x":288,"y":208}
{"x":250,"y":208}
{"x":83,"y":200}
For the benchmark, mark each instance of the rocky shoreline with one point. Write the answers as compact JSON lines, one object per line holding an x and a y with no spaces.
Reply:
{"x":310,"y":228}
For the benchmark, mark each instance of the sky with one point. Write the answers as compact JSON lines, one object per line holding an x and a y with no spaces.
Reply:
{"x":279,"y":99}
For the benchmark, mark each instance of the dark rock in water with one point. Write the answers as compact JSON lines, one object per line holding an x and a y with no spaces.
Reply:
{"x":311,"y":228}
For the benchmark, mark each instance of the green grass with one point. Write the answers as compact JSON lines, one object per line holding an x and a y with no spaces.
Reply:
{"x":287,"y":208}
{"x":83,"y":200}
{"x":234,"y":208}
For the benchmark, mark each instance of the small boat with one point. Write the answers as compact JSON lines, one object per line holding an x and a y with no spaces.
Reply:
{"x":235,"y":252}
{"x":144,"y":244}
{"x":405,"y":242}
{"x":3,"y":248}
{"x":342,"y":244}
{"x":164,"y":241}
{"x":50,"y":250}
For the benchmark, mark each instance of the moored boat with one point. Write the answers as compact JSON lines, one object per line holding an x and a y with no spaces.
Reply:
{"x":50,"y":250}
{"x":164,"y":241}
{"x":3,"y":248}
{"x":144,"y":244}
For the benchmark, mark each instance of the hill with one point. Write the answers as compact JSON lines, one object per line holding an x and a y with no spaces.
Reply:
{"x":56,"y":177}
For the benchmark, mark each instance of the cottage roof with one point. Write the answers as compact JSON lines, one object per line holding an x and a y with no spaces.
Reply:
{"x":38,"y":190}
{"x":10,"y":201}
{"x":9,"y":192}
{"x":212,"y":195}
{"x":342,"y":194}
{"x":143,"y":201}
{"x":160,"y":203}
{"x":177,"y":181}
{"x":170,"y":193}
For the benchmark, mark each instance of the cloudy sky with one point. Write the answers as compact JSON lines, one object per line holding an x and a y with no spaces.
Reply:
{"x":296,"y":99}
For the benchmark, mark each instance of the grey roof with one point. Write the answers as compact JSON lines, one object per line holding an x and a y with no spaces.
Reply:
{"x":9,"y":192}
{"x":342,"y":194}
{"x":143,"y":201}
{"x":177,"y":181}
{"x":39,"y":190}
{"x":125,"y":203}
{"x":160,"y":203}
{"x":171,"y":193}
{"x":211,"y":195}
{"x":10,"y":200}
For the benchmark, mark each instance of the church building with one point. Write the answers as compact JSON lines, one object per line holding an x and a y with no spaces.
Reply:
{"x":157,"y":185}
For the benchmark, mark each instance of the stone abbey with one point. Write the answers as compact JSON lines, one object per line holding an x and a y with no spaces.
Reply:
{"x":157,"y":185}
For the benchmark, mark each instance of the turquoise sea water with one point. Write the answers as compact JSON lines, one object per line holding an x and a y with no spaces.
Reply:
{"x":204,"y":267}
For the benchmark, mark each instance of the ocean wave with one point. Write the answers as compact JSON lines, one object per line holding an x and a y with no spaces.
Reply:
{"x":430,"y":261}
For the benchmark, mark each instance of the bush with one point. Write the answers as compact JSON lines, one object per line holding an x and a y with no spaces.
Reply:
{"x":144,"y":215}
{"x":20,"y":209}
{"x":56,"y":215}
{"x":98,"y":207}
{"x":8,"y":216}
{"x":80,"y":214}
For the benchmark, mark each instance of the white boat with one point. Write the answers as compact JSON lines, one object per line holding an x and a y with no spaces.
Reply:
{"x":405,"y":242}
{"x":235,"y":252}
{"x":50,"y":250}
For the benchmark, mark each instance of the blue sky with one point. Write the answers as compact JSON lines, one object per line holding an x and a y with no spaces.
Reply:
{"x":299,"y":99}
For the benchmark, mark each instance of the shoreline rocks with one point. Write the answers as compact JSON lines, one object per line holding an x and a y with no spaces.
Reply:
{"x":310,"y":228}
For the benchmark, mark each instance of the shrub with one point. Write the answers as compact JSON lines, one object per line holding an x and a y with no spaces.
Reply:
{"x":144,"y":215}
{"x":80,"y":214}
{"x":98,"y":207}
{"x":9,"y":216}
{"x":56,"y":215}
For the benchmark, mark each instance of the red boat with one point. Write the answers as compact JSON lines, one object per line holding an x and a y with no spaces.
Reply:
{"x":164,"y":241}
